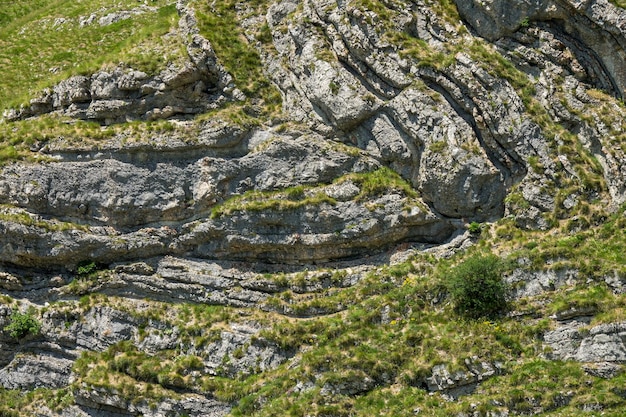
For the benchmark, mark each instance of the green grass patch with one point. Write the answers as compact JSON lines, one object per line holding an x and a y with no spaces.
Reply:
{"x":393,"y":326}
{"x":21,"y":140}
{"x":288,"y":199}
{"x":379,"y":182}
{"x":219,"y":23}
{"x":65,"y":48}
{"x":390,"y":331}
{"x":596,"y":251}
{"x":16,"y":403}
{"x":371,"y":184}
{"x":15,"y":215}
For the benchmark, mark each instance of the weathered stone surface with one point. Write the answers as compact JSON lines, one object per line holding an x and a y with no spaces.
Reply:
{"x":28,"y":371}
{"x":461,"y":382}
{"x":111,"y":18}
{"x":495,"y":19}
{"x":565,"y":340}
{"x":10,"y":282}
{"x":352,"y":384}
{"x":108,"y":191}
{"x":156,"y":213}
{"x":606,"y":370}
{"x":239,"y":352}
{"x":100,"y":402}
{"x":345,"y":230}
{"x":532,"y":283}
{"x":601,"y":344}
{"x":129,"y":197}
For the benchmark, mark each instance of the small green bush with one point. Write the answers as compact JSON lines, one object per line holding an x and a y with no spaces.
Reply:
{"x":86,"y":268}
{"x":22,"y":324}
{"x":475,"y":228}
{"x":477,"y":288}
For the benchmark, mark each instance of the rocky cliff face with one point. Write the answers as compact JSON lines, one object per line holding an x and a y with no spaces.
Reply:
{"x":167,"y":252}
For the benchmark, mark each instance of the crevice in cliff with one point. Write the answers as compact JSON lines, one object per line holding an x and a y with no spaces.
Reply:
{"x":145,"y":153}
{"x":358,"y":67}
{"x":471,"y":121}
{"x":367,"y":83}
{"x":416,"y":149}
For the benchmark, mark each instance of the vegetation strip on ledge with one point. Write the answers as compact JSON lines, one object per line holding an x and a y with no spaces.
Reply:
{"x":371,"y":184}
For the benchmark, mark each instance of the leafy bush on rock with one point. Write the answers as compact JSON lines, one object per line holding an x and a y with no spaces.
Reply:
{"x":22,"y":324}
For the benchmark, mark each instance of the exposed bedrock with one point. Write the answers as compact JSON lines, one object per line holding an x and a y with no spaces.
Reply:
{"x":459,"y":135}
{"x":108,"y":209}
{"x":400,"y":125}
{"x":126,"y":189}
{"x":463,"y":118}
{"x":596,"y":27}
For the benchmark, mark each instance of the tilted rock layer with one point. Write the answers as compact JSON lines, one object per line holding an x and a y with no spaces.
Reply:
{"x":402,"y":122}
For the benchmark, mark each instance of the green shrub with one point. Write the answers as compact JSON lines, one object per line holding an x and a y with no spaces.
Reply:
{"x":22,"y":324}
{"x":475,"y":228}
{"x":477,"y":288}
{"x":86,"y":268}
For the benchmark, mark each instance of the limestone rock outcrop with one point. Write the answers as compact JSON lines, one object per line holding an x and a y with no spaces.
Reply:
{"x":402,"y":123}
{"x":123,"y":94}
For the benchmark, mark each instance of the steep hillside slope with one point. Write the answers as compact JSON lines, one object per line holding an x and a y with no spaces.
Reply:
{"x":317,"y":207}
